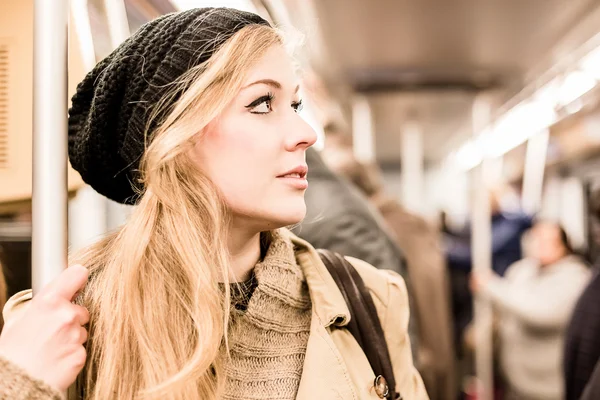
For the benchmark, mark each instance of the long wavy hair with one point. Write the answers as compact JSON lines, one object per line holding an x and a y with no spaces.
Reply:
{"x":158,"y":314}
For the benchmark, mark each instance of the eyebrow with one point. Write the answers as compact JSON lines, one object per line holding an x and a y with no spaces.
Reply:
{"x":269,"y":82}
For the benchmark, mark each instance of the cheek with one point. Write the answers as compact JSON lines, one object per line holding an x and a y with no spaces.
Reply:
{"x":240,"y":159}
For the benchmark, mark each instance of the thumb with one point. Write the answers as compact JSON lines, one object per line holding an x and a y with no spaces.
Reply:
{"x":69,"y":282}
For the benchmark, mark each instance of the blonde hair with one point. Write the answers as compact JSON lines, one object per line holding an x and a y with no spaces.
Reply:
{"x":158,"y":315}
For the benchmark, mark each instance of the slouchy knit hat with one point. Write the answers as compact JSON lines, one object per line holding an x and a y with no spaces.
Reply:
{"x":112,"y":105}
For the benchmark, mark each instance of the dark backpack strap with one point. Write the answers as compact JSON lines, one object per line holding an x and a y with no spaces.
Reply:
{"x":364,"y":322}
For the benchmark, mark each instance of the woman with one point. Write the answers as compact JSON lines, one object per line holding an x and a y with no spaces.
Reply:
{"x":194,"y":119}
{"x":535,"y":301}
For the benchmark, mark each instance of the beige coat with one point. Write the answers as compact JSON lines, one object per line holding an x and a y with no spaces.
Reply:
{"x":335,"y":366}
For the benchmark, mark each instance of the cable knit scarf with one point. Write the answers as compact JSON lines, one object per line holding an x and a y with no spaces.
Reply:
{"x":268,"y":336}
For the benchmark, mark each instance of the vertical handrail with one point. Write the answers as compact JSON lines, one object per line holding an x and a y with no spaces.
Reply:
{"x":363,"y":135}
{"x":535,"y":168}
{"x":412,"y":166}
{"x":49,"y":191}
{"x":481,"y":230}
{"x":118,"y":24}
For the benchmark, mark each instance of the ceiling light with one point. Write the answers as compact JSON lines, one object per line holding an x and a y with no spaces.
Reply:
{"x":576,"y":84}
{"x":590,"y":64}
{"x":468,"y":156}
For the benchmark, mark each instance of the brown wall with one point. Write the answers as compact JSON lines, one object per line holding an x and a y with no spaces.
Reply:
{"x":16,"y":32}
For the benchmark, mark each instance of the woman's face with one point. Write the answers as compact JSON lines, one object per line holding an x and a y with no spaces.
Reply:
{"x":254,"y":152}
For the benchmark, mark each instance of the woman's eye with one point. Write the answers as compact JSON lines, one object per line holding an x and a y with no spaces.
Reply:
{"x":297,"y":106}
{"x":262,"y":108}
{"x":262,"y":105}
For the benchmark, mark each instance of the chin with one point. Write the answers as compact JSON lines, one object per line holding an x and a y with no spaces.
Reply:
{"x":288,"y":216}
{"x":292,"y":218}
{"x":272,"y":215}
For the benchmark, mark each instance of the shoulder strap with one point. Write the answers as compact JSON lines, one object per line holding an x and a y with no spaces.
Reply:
{"x":364,"y":322}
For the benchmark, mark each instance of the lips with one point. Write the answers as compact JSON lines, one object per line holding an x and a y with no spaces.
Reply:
{"x":299,"y":172}
{"x":296,"y":177}
{"x":292,"y":175}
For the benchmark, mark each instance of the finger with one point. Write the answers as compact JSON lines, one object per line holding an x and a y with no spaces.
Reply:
{"x":83,"y":315}
{"x":79,"y":357}
{"x":82,"y":335}
{"x":68,"y":283}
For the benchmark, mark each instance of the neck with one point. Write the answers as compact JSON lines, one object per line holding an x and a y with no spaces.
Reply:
{"x":244,"y":250}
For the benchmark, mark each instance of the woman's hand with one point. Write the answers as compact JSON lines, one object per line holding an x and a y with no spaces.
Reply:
{"x":47,"y":339}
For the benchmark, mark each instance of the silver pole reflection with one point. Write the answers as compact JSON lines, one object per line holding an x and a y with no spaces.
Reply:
{"x":535,"y":168}
{"x":481,"y":248}
{"x":118,"y":23}
{"x":49,"y":197}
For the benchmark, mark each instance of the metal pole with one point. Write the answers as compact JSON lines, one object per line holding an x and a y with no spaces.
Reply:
{"x":533,"y":176}
{"x":49,"y":195}
{"x":88,"y":210}
{"x":81,"y":24}
{"x":412,"y":166}
{"x":363,"y":141}
{"x":118,"y":25}
{"x":482,"y":257}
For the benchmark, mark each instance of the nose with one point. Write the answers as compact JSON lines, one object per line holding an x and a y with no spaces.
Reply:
{"x":300,"y":134}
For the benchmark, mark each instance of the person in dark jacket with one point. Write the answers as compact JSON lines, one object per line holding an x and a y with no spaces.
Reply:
{"x":592,"y":389}
{"x":582,"y":340}
{"x":507,"y":230}
{"x":341,"y":219}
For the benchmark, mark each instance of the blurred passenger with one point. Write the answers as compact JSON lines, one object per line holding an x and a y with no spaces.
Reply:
{"x":535,"y":302}
{"x":582,"y":346}
{"x":41,"y":350}
{"x":203,"y":293}
{"x":419,"y":241}
{"x":340,"y":218}
{"x":507,"y":231}
{"x":592,"y":388}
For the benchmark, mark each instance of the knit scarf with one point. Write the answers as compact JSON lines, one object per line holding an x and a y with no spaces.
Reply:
{"x":268,"y":337}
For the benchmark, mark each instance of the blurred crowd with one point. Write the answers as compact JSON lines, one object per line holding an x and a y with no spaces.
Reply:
{"x":546,"y":332}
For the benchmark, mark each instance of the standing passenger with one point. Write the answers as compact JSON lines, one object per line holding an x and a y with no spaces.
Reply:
{"x":195,"y":119}
{"x":535,"y":301}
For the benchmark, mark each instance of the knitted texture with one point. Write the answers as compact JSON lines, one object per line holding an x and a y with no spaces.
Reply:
{"x":268,"y":341}
{"x":16,"y":384}
{"x":112,"y":105}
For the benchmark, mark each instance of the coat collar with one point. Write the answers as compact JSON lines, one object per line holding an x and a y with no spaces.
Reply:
{"x":328,"y":303}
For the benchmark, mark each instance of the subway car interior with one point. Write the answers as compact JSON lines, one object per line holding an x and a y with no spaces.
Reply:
{"x":471,"y":128}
